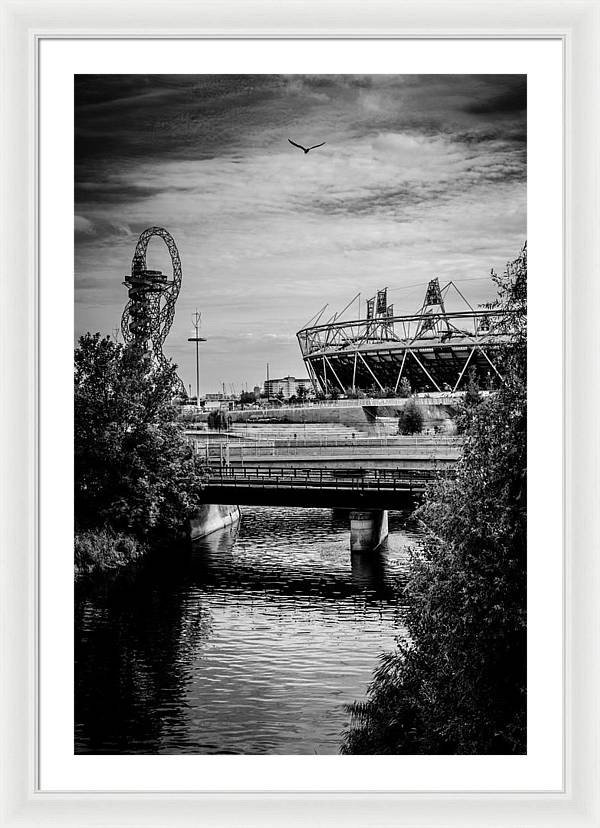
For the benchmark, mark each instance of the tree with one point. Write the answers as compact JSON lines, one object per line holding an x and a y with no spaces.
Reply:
{"x":405,"y":389}
{"x":134,"y":470}
{"x":457,"y":682}
{"x":410,"y":420}
{"x":472,"y":397}
{"x":247,"y":398}
{"x":472,"y":394}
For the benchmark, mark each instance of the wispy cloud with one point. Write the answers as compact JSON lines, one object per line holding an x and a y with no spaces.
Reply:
{"x":420,"y":176}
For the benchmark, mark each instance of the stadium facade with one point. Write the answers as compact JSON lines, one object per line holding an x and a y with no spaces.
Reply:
{"x":433,"y":349}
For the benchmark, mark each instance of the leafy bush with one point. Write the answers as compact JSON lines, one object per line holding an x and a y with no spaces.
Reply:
{"x":101,"y":550}
{"x":472,"y":394}
{"x":471,"y":398}
{"x":457,"y":682}
{"x":247,"y":398}
{"x":134,"y":470}
{"x":410,"y":420}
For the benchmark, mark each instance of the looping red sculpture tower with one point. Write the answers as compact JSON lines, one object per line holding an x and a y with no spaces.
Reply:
{"x":150,"y":310}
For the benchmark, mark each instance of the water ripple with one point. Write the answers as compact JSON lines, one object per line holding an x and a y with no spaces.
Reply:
{"x":253,"y":643}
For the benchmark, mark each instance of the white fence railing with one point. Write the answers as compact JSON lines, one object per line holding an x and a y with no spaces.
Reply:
{"x":225,"y":452}
{"x":428,"y":398}
{"x":363,"y":443}
{"x":420,"y":399}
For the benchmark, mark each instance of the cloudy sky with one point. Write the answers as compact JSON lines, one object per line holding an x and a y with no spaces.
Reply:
{"x":421,"y":176}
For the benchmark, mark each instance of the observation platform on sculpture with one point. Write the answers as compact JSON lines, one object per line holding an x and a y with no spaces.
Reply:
{"x":358,"y":488}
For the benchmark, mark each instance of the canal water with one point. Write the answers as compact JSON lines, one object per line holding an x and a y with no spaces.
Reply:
{"x":253,"y":643}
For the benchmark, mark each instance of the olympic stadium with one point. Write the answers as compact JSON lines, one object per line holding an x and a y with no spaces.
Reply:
{"x":433,"y":349}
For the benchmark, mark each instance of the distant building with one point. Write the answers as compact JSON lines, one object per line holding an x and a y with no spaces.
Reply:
{"x":217,"y":399}
{"x":286,"y":387}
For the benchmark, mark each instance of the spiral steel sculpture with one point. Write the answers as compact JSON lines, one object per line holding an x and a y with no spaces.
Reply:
{"x":149,"y":313}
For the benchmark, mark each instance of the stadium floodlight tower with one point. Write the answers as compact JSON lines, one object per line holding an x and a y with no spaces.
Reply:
{"x":150,"y":310}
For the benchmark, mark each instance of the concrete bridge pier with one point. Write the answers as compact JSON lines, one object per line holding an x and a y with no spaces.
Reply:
{"x":368,"y":530}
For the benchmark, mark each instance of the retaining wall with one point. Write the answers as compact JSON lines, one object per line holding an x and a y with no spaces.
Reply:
{"x":212,"y":517}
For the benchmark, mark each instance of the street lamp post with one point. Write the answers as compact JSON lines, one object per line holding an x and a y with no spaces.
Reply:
{"x":197,"y":339}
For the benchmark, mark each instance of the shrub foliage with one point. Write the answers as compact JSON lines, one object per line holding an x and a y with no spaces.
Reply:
{"x":102,"y":550}
{"x":134,"y":471}
{"x":457,"y":682}
{"x":410,"y":420}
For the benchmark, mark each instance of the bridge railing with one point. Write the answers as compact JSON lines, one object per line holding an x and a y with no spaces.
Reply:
{"x":341,"y":476}
{"x":318,"y":480}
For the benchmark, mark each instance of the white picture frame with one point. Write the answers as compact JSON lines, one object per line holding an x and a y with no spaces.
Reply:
{"x":577,"y":24}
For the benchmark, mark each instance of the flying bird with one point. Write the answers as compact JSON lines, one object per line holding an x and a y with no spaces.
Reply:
{"x":306,"y":149}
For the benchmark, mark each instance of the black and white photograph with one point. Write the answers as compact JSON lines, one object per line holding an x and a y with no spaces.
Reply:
{"x":300,"y":414}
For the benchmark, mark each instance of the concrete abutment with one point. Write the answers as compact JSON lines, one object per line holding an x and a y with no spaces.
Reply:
{"x":211,"y":517}
{"x":368,"y":527}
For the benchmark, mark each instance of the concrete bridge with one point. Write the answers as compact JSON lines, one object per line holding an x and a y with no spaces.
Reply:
{"x":367,"y":493}
{"x":363,"y":474}
{"x":352,"y":488}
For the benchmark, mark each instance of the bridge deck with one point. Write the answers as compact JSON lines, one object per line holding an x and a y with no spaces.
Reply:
{"x":359,"y":488}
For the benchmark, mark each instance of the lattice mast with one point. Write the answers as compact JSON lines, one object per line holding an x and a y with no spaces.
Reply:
{"x":433,"y":312}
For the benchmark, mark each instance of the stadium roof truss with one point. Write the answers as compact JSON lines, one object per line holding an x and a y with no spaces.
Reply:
{"x":434,"y":349}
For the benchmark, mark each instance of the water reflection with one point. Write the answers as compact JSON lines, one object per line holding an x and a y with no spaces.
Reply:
{"x":368,"y":571}
{"x":251,"y":643}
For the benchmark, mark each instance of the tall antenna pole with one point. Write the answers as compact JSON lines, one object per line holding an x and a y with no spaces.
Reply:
{"x":196,"y":317}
